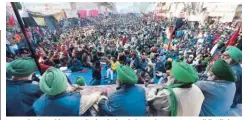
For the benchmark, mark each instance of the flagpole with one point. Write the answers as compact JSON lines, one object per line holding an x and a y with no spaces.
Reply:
{"x":24,"y":33}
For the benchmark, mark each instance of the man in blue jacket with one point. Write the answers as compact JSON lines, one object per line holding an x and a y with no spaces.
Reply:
{"x":21,"y":93}
{"x":218,"y":89}
{"x":233,"y":56}
{"x":128,"y":100}
{"x":59,"y":98}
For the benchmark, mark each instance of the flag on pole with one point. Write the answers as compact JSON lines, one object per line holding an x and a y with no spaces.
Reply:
{"x":12,"y":20}
{"x":232,"y":41}
{"x":170,"y":37}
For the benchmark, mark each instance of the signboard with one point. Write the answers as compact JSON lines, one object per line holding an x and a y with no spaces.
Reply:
{"x":40,"y":21}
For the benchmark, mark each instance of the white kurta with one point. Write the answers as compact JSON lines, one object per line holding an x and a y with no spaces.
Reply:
{"x":189,"y":101}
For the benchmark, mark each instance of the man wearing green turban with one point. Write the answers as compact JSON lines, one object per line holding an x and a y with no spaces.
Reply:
{"x":180,"y":97}
{"x":219,"y":89}
{"x":58,"y":99}
{"x":233,"y":56}
{"x":80,"y":81}
{"x":21,"y":92}
{"x":128,"y":100}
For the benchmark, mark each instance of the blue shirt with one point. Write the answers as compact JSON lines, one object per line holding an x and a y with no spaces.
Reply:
{"x":129,"y":100}
{"x":65,"y":104}
{"x":20,"y":95}
{"x":218,"y":97}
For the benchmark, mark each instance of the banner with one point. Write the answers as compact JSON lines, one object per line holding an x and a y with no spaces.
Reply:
{"x":61,"y":15}
{"x":40,"y":21}
{"x":93,"y":12}
{"x":82,"y":13}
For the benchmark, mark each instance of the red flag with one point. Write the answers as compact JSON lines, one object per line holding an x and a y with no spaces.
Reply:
{"x":232,"y":41}
{"x":216,"y":39}
{"x":12,"y":20}
{"x":170,"y":37}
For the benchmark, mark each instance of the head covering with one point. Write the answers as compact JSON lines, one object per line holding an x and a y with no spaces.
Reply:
{"x":121,"y":54}
{"x":150,"y":64}
{"x":80,"y":81}
{"x":169,"y":59}
{"x":94,"y":51}
{"x":223,"y":71}
{"x":53,"y":82}
{"x":183,"y":72}
{"x":221,"y":44}
{"x":125,"y":74}
{"x":21,"y":67}
{"x":235,"y":53}
{"x":143,"y":57}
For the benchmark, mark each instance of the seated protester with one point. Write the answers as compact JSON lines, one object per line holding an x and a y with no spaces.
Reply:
{"x":80,"y":81}
{"x":64,"y":61}
{"x":180,"y":97}
{"x":112,"y":69}
{"x":74,"y":64}
{"x":114,"y":52}
{"x":96,"y":74}
{"x":181,"y":57}
{"x":127,"y":55}
{"x":135,"y":60}
{"x":160,"y":65}
{"x":190,"y":59}
{"x":48,"y":61}
{"x":144,"y":62}
{"x":100,"y":51}
{"x":219,"y":89}
{"x":58,"y":99}
{"x":55,"y":58}
{"x":85,"y":60}
{"x":168,"y":64}
{"x":24,"y":52}
{"x":233,"y":56}
{"x":150,"y":69}
{"x":128,"y":100}
{"x":122,"y":59}
{"x":21,"y":93}
{"x":143,"y":77}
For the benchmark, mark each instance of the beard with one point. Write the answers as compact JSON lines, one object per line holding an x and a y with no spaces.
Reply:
{"x":210,"y":77}
{"x":30,"y":77}
{"x":228,"y":61}
{"x":170,"y":80}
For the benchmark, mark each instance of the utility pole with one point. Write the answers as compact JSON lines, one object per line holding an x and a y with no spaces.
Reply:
{"x":24,"y":33}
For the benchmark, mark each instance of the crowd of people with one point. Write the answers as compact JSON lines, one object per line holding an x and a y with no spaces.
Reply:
{"x":197,"y":65}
